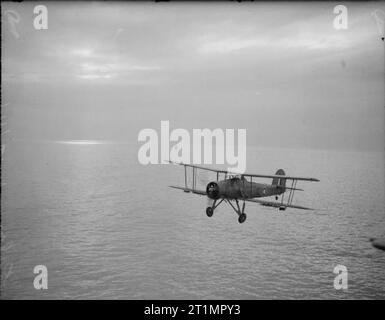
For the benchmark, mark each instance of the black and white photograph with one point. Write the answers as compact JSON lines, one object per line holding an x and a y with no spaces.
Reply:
{"x":197,"y":151}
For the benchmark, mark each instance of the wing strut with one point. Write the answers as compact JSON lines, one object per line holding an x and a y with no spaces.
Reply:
{"x":185,"y":177}
{"x":291,"y":194}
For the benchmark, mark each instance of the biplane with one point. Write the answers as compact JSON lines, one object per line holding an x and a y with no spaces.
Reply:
{"x":235,"y":188}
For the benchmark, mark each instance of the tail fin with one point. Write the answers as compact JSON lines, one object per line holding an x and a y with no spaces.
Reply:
{"x":279,"y":181}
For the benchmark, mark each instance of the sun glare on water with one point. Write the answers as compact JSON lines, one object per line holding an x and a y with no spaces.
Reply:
{"x":81,"y":142}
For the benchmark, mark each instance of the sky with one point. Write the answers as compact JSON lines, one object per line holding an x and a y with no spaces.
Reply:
{"x":105,"y":71}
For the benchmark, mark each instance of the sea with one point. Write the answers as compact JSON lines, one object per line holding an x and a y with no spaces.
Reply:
{"x":107,"y":227}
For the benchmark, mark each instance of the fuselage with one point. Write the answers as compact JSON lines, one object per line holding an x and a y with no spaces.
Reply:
{"x":236,"y":188}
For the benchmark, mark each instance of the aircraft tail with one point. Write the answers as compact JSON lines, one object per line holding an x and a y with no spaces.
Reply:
{"x":279,"y":181}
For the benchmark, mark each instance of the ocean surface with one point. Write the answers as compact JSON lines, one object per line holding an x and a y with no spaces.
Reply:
{"x":107,"y":227}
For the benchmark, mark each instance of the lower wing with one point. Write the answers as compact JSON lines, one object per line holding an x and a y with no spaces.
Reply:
{"x":261,"y":202}
{"x":277,"y":204}
{"x":200,"y":192}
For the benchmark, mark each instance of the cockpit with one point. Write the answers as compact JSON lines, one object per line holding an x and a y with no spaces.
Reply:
{"x":237,"y":177}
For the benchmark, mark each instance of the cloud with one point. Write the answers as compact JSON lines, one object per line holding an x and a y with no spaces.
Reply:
{"x":94,"y":76}
{"x":82,"y":52}
{"x":308,"y":41}
{"x":107,"y":70}
{"x":217,"y":45}
{"x":252,"y":59}
{"x":67,"y":63}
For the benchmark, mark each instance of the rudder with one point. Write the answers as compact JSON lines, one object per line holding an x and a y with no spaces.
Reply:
{"x":279,"y":181}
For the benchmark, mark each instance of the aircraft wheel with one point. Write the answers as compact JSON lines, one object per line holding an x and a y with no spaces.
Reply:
{"x":209,"y":211}
{"x":242,"y":218}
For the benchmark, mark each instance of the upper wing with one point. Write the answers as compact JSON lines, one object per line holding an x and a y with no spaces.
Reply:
{"x":200,"y":192}
{"x":199,"y":167}
{"x":279,"y":176}
{"x":247,"y":174}
{"x":277,"y":204}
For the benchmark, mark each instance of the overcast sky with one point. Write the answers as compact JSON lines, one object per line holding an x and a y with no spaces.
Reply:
{"x":104,"y":71}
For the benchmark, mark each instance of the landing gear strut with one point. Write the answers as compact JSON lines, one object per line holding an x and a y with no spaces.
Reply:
{"x":241,"y":213}
{"x":210,"y":210}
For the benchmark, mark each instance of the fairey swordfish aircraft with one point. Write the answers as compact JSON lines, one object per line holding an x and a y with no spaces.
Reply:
{"x":237,"y":187}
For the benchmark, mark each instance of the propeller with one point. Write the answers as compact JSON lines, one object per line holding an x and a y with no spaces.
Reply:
{"x":204,"y":179}
{"x":212,"y":190}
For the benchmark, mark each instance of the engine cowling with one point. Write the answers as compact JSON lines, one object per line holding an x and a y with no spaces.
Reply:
{"x":212,"y":190}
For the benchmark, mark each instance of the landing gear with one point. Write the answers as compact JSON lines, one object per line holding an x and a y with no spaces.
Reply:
{"x":238,"y":210}
{"x":241,"y":212}
{"x":242,"y":218}
{"x":209,"y":211}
